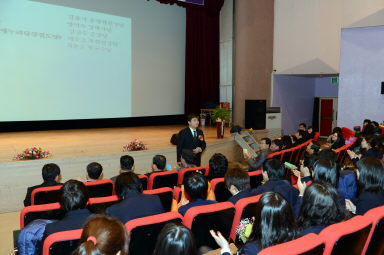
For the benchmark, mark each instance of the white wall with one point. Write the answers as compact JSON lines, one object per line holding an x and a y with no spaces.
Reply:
{"x":307,"y":32}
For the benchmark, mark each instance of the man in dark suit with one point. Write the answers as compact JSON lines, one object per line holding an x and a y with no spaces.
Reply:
{"x":191,"y":138}
{"x":51,"y":176}
{"x":134,"y":204}
{"x":127,"y":164}
{"x":238,"y":183}
{"x":159,"y":163}
{"x":73,"y":200}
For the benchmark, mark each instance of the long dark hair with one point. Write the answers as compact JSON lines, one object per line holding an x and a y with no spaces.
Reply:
{"x":274,"y":221}
{"x":371,"y":177}
{"x":175,"y":239}
{"x":110,"y":237}
{"x":320,"y":206}
{"x":326,"y":171}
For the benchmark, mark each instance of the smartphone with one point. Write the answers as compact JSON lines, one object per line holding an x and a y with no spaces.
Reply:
{"x":289,"y":165}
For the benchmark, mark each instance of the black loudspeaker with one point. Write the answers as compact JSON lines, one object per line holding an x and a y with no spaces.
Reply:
{"x":255,"y":114}
{"x":382,"y":87}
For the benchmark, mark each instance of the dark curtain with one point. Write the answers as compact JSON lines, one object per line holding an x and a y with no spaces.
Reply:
{"x":202,"y":54}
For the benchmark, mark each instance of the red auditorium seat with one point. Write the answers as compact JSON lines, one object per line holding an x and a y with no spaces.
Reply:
{"x":348,"y":237}
{"x":165,"y":194}
{"x":277,"y":155}
{"x":163,"y":179}
{"x":347,"y":133}
{"x":62,"y":243}
{"x":100,"y":188}
{"x":310,"y":244}
{"x":48,"y":211}
{"x":177,"y":193}
{"x":45,"y":195}
{"x":244,"y":208}
{"x":184,"y":173}
{"x":255,"y":178}
{"x":144,"y":180}
{"x":316,"y":137}
{"x":99,"y":204}
{"x":201,"y":219}
{"x":375,"y":242}
{"x":221,"y":192}
{"x":144,"y":231}
{"x":206,"y":170}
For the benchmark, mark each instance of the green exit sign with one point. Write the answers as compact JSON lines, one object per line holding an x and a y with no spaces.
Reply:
{"x":335,"y":80}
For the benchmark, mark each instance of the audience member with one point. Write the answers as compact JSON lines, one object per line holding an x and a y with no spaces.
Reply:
{"x":188,"y":159}
{"x":257,"y":162}
{"x":175,"y":239}
{"x":103,"y":235}
{"x":376,"y":128}
{"x":287,"y":142}
{"x":196,"y":191}
{"x":371,"y":186}
{"x":238,"y":183}
{"x":371,"y":146}
{"x":51,"y":177}
{"x":73,"y":201}
{"x":273,"y":176}
{"x":158,"y":165}
{"x":218,"y":165}
{"x":134,"y":204}
{"x":276,"y":145}
{"x":313,"y":148}
{"x":274,"y":224}
{"x":311,"y":133}
{"x":320,"y":207}
{"x":337,"y":141}
{"x":303,"y":126}
{"x":127,"y":164}
{"x":334,"y":130}
{"x":301,"y":137}
{"x":94,"y":171}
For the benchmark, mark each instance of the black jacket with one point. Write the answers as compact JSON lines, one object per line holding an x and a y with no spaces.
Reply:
{"x":27,"y":200}
{"x":186,"y":141}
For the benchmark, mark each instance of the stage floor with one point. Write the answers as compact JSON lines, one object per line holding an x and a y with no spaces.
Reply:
{"x":92,"y":142}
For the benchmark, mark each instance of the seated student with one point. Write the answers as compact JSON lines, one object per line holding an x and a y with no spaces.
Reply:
{"x":218,"y":165}
{"x":334,"y":130}
{"x":372,"y":147}
{"x":337,"y":141}
{"x":73,"y":200}
{"x":320,"y":207}
{"x":134,"y":204}
{"x":313,"y":148}
{"x":196,"y":191}
{"x":158,"y":164}
{"x":273,"y":175}
{"x":238,"y":183}
{"x":371,"y":186}
{"x":376,"y":128}
{"x":188,"y":159}
{"x":311,"y":133}
{"x":177,"y":239}
{"x":94,"y":171}
{"x":103,"y":235}
{"x":257,"y":162}
{"x":276,"y":145}
{"x":301,"y":137}
{"x":127,"y":164}
{"x":51,"y":177}
{"x":303,"y":126}
{"x":274,"y":224}
{"x":287,"y":142}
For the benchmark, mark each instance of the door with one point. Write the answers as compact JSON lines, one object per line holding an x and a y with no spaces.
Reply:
{"x":327,"y":116}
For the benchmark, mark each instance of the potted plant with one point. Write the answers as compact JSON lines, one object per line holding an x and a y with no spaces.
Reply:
{"x":220,"y":115}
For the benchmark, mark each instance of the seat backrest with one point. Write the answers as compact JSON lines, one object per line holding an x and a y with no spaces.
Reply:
{"x":287,"y":154}
{"x":347,"y":133}
{"x":163,"y":179}
{"x":165,"y":194}
{"x":100,"y":204}
{"x":316,"y":136}
{"x":348,"y":237}
{"x":100,"y":188}
{"x":295,"y":154}
{"x":62,"y":243}
{"x":45,"y":195}
{"x":310,"y":244}
{"x":144,"y":231}
{"x":277,"y":155}
{"x":201,"y":219}
{"x":184,"y":173}
{"x":144,"y":180}
{"x":244,"y":208}
{"x":222,"y":194}
{"x":48,"y":211}
{"x":255,"y":178}
{"x":375,"y":242}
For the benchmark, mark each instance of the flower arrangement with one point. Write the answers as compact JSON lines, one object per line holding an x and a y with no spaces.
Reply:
{"x":32,"y":153}
{"x":244,"y":230}
{"x":135,"y":145}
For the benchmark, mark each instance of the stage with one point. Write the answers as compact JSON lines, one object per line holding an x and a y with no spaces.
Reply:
{"x":72,"y":150}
